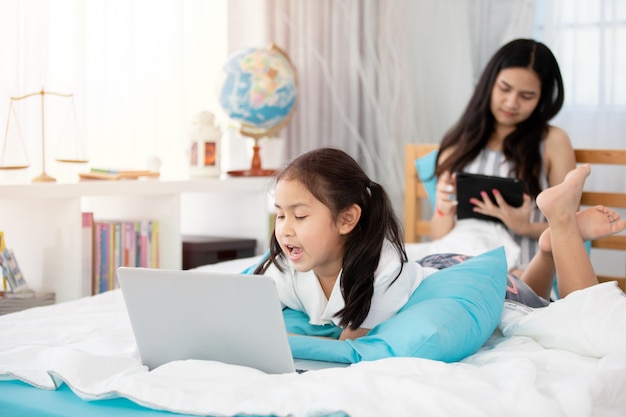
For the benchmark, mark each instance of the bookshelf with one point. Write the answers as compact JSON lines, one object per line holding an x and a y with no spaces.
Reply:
{"x":42,"y":222}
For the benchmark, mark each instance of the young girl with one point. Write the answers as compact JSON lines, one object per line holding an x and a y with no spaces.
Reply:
{"x":337,"y":252}
{"x":504,"y":131}
{"x":561,"y":246}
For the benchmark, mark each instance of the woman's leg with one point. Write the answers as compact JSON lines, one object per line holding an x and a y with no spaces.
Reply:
{"x":562,"y":250}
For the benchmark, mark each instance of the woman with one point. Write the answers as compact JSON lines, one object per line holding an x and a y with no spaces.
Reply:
{"x":504,"y":131}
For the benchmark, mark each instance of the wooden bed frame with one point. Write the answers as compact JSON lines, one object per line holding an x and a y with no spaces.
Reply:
{"x":417,"y":212}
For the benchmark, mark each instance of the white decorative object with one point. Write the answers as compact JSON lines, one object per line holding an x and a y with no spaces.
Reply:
{"x":204,"y":153}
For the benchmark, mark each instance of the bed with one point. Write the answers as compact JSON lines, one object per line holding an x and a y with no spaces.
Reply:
{"x":79,"y":358}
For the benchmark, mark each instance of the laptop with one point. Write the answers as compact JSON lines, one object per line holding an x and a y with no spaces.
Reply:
{"x":226,"y":317}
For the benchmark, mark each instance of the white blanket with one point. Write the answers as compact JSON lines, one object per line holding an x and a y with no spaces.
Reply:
{"x":470,"y":237}
{"x":568,"y":359}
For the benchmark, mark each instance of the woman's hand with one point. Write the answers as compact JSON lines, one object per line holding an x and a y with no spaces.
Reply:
{"x":445,"y":197}
{"x":515,"y":218}
{"x":444,"y":218}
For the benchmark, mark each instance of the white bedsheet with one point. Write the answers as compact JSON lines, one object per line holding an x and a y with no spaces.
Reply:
{"x":568,"y":359}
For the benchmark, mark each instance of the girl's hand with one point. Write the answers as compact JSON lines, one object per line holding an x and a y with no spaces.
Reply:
{"x":515,"y":218}
{"x":348,"y":333}
{"x":445,"y":197}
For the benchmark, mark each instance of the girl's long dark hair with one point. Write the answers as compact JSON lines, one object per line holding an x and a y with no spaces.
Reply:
{"x":337,"y":180}
{"x":523,"y":146}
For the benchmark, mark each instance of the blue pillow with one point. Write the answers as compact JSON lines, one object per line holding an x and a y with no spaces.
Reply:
{"x":250,"y":270}
{"x":425,"y":166}
{"x":450,"y":315}
{"x":298,"y":322}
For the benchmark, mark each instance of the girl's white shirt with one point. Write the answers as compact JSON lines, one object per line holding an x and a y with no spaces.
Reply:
{"x":302,"y":291}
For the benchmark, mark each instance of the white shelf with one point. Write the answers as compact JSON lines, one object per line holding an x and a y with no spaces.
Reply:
{"x":42,"y":222}
{"x":131,"y":187}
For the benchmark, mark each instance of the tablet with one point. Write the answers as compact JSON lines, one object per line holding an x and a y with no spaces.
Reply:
{"x":470,"y":185}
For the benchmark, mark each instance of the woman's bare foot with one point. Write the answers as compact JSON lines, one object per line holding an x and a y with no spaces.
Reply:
{"x":593,"y":223}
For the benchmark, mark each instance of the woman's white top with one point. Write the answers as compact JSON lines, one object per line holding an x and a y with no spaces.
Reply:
{"x":302,"y":291}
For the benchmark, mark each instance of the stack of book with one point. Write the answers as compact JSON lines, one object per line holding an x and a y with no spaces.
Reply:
{"x":12,"y":302}
{"x":115,"y":174}
{"x":111,"y":244}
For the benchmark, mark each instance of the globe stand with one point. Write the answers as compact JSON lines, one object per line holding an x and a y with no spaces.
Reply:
{"x":255,"y":167}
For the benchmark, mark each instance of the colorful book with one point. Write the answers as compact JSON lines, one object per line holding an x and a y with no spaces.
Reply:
{"x":104,"y":257}
{"x":12,"y":272}
{"x":154,"y":247}
{"x":123,"y":243}
{"x":87,"y":253}
{"x":130,"y":247}
{"x":144,"y":242}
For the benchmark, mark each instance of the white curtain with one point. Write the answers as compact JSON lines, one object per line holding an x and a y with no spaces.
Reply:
{"x":350,"y":61}
{"x":588,"y":40}
{"x":139,"y":71}
{"x":378,"y":74}
{"x":494,"y":23}
{"x":361,"y":67}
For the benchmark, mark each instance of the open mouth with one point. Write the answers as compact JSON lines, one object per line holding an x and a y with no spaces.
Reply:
{"x":294,"y":252}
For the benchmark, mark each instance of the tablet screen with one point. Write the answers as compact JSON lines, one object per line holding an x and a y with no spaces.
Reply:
{"x":470,"y":185}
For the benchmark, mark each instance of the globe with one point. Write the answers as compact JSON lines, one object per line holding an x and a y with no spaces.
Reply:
{"x":259,"y":90}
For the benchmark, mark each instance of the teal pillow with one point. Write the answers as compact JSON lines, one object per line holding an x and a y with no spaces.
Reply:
{"x":250,"y":270}
{"x":298,"y":322}
{"x":425,"y":166}
{"x":449,"y":316}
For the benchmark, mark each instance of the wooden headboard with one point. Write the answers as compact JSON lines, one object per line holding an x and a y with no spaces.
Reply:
{"x":416,"y":218}
{"x":417,"y":213}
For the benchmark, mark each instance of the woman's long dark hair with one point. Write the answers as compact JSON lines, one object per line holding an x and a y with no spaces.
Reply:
{"x":337,"y":180}
{"x":523,"y":146}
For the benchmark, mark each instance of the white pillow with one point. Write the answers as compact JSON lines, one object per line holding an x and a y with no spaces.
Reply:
{"x":590,"y":322}
{"x":235,"y":266}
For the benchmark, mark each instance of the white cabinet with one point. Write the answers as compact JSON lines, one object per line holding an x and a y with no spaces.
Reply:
{"x":42,"y":222}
